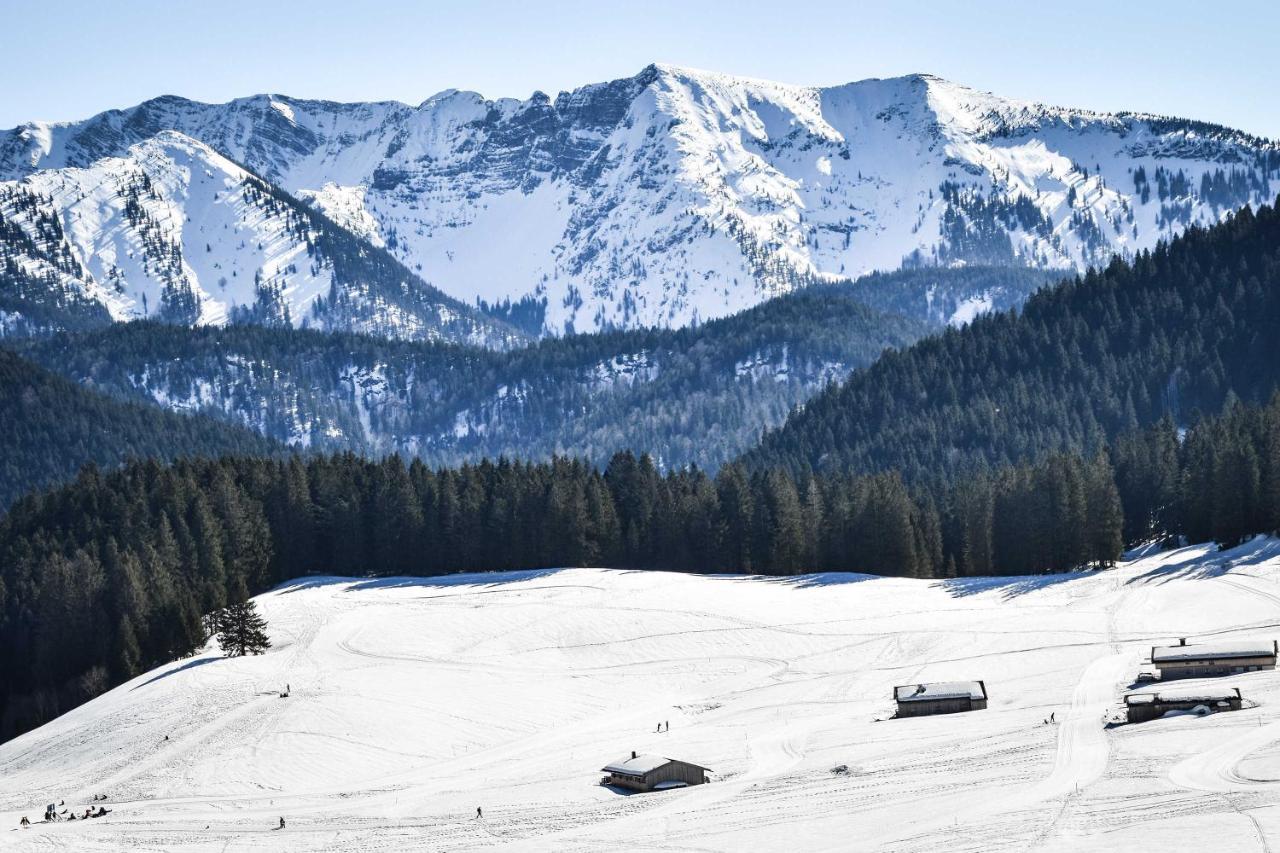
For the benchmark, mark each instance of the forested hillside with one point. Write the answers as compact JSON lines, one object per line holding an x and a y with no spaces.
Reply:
{"x":698,"y":395}
{"x":133,"y":559}
{"x":50,"y":428}
{"x":950,"y":296}
{"x":1179,"y":330}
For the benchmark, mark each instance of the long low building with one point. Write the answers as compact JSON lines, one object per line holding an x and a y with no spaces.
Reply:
{"x":1203,"y":660}
{"x":940,"y":697}
{"x":1141,"y":707}
{"x":652,"y":773}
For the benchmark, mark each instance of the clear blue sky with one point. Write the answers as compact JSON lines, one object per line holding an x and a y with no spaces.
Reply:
{"x":72,"y":58}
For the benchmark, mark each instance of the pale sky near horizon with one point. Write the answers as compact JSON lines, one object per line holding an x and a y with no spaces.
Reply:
{"x":73,"y":58}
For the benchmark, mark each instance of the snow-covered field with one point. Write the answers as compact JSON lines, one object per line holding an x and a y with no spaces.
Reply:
{"x":416,"y":700}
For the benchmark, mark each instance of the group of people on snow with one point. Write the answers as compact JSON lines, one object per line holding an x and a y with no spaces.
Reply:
{"x":51,"y":812}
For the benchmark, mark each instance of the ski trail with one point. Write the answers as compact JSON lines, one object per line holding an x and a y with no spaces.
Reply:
{"x":1080,"y":758}
{"x":1215,"y":769}
{"x":1083,"y":750}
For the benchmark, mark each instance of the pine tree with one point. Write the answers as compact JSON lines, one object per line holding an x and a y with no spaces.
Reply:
{"x":1104,"y":516}
{"x":242,"y":630}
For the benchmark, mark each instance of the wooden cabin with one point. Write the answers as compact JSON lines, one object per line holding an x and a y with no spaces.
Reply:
{"x":652,"y":773}
{"x":1205,"y":660}
{"x":1141,"y":707}
{"x":941,"y":697}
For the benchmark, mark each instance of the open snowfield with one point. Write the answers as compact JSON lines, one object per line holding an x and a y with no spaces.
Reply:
{"x":416,"y":700}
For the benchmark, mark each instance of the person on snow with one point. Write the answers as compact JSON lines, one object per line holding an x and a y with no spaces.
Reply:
{"x":479,"y":813}
{"x":24,"y":823}
{"x":1051,"y":717}
{"x":281,"y":826}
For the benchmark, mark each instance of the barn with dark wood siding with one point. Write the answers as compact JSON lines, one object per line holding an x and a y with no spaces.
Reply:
{"x":652,"y":773}
{"x":940,"y":697}
{"x":1140,"y":707}
{"x":1207,"y":660}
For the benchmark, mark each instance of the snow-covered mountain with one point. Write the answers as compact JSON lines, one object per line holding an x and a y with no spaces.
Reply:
{"x":678,"y":195}
{"x":175,"y":230}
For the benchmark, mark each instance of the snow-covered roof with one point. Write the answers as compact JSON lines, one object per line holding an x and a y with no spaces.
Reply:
{"x":638,"y":765}
{"x":1200,"y":651}
{"x":940,"y":690}
{"x":1184,"y":694}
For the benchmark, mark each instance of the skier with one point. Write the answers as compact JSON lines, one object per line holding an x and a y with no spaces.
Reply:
{"x":1051,"y":717}
{"x":281,"y":826}
{"x":667,"y":724}
{"x":479,"y":813}
{"x":658,"y":729}
{"x":24,"y":823}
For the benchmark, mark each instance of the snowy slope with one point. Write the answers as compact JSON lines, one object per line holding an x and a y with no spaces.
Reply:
{"x":173,"y":229}
{"x":416,"y":700}
{"x":681,"y":195}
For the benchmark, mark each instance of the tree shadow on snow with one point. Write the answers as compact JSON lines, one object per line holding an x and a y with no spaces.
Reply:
{"x":819,"y":579}
{"x":1199,"y":563}
{"x":191,"y":664}
{"x":1009,"y":587}
{"x":477,"y":579}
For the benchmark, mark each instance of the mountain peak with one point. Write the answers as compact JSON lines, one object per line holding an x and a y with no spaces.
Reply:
{"x":681,"y":193}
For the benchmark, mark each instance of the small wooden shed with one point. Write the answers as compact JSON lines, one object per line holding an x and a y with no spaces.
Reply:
{"x":1206,"y":660}
{"x":941,"y":697}
{"x":652,"y":773}
{"x":1141,"y":707}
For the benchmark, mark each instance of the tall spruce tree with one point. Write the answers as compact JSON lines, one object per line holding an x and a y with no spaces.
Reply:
{"x":242,"y":630}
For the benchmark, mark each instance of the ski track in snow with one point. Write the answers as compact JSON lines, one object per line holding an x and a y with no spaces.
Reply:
{"x":415,"y":700}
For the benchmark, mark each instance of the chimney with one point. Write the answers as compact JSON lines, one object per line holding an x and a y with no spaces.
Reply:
{"x":633,"y":753}
{"x":1182,"y":641}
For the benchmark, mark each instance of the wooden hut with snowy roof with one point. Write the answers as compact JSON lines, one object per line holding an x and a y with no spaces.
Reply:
{"x":940,"y":697}
{"x":1206,"y":660}
{"x":652,"y":773}
{"x":1140,"y":707}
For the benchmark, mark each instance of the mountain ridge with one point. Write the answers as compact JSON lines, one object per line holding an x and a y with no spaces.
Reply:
{"x":677,"y":195}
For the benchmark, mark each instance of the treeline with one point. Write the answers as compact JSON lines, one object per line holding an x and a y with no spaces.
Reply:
{"x":112,"y":575}
{"x":1177,"y":330}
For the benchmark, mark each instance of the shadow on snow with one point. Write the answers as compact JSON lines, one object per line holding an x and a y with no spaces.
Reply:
{"x":1202,"y":563}
{"x":1011,"y":586}
{"x":191,"y":664}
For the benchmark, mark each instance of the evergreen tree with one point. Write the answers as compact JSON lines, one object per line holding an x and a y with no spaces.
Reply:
{"x":242,"y":630}
{"x":1104,"y":513}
